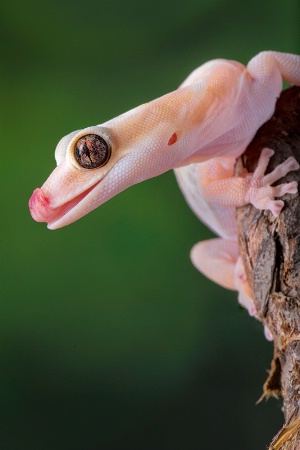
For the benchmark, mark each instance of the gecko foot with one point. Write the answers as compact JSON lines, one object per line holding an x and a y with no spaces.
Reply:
{"x":260,"y":193}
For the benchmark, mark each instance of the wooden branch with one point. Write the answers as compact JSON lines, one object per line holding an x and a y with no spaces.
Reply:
{"x":270,"y":250}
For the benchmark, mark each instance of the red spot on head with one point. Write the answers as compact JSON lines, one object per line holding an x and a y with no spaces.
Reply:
{"x":172,"y":139}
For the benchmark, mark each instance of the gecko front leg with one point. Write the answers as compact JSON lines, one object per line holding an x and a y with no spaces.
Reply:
{"x":254,"y":188}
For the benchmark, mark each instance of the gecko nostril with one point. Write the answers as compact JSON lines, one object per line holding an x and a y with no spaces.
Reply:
{"x":92,"y":151}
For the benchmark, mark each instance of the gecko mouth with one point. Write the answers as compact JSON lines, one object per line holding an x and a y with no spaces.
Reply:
{"x":47,"y":203}
{"x":42,"y":211}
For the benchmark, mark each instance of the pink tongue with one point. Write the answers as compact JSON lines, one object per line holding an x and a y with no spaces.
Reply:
{"x":39,"y":207}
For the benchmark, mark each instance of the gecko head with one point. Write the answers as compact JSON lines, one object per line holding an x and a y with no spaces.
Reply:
{"x":93,"y":165}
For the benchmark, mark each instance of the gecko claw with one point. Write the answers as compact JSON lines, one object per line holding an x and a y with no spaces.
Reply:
{"x":291,"y":164}
{"x":285,"y":188}
{"x":276,"y":207}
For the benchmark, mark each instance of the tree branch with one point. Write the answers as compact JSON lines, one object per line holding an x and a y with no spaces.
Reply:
{"x":270,"y":250}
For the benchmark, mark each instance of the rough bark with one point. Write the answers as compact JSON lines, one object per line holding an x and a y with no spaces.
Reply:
{"x":270,"y":249}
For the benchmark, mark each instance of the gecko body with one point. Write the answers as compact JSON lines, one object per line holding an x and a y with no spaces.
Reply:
{"x":199,"y":130}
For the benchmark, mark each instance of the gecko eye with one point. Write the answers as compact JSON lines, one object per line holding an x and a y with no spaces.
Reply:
{"x":92,"y":151}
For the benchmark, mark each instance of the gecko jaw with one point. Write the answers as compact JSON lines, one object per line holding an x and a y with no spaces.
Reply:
{"x":41,"y":210}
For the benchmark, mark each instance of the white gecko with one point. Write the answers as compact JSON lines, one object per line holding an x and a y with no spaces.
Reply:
{"x":199,"y":130}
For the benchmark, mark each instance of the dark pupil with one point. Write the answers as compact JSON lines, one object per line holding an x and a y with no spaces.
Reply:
{"x":92,"y":151}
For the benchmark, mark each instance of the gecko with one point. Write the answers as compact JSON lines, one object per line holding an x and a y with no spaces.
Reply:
{"x":199,"y":130}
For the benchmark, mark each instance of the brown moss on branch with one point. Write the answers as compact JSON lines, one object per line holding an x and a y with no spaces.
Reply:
{"x":270,"y":249}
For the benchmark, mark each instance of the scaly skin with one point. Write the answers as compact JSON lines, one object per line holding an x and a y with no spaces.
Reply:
{"x":199,"y":130}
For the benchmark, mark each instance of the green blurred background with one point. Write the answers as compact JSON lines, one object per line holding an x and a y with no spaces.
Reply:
{"x":109,"y":338}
